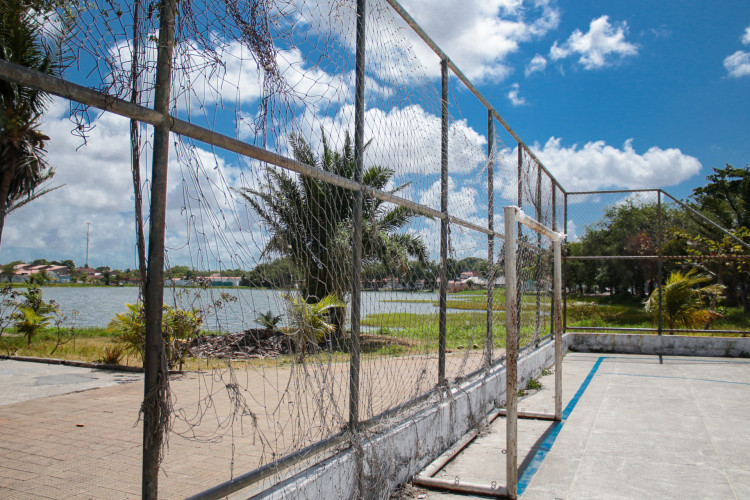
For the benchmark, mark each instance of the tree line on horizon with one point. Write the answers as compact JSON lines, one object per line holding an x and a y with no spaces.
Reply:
{"x":632,"y":229}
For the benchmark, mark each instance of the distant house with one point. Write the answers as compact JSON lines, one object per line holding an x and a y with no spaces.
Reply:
{"x":391,"y":283}
{"x":468,"y":275}
{"x":90,"y":272}
{"x":218,"y":280}
{"x":58,"y":274}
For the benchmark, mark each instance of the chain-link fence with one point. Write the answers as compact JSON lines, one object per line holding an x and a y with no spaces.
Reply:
{"x":302,"y":150}
{"x":642,"y":261}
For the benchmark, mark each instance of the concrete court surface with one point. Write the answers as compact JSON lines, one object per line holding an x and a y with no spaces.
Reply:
{"x":638,"y":429}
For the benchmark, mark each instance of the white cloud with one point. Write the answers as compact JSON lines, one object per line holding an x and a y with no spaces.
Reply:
{"x":572,"y":234}
{"x":478,"y":35}
{"x":597,"y":165}
{"x":738,"y":64}
{"x":463,"y":204}
{"x":515,"y":99}
{"x":98,"y":188}
{"x":405,"y":139}
{"x":598,"y":47}
{"x":537,"y":64}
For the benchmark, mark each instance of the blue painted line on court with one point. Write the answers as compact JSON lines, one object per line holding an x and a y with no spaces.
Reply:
{"x":546,"y":446}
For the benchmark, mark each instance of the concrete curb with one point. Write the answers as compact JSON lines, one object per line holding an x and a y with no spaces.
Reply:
{"x":82,"y":364}
{"x":666,"y":345}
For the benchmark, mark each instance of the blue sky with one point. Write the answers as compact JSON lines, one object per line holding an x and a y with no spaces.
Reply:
{"x":608,"y":94}
{"x":672,"y":90}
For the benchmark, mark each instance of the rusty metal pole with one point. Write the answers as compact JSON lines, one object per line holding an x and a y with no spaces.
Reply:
{"x":511,"y":354}
{"x":156,"y":374}
{"x":359,"y":134}
{"x":519,"y":225}
{"x":565,"y":262}
{"x":443,"y":303}
{"x":553,"y":306}
{"x":135,"y":144}
{"x":359,"y":148}
{"x":490,"y":339}
{"x":659,"y":264}
{"x":557,"y":247}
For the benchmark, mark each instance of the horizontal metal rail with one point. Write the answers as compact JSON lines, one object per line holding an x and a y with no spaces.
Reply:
{"x":245,"y":480}
{"x":537,"y":226}
{"x":679,"y":202}
{"x":461,"y":486}
{"x":655,"y":330}
{"x":706,"y":219}
{"x":656,"y":257}
{"x":91,"y":97}
{"x":454,"y":450}
{"x":531,"y":415}
{"x":616,"y":191}
{"x":443,"y":56}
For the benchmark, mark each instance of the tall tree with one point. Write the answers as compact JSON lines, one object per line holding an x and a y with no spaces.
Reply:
{"x":23,"y":166}
{"x":726,"y":197}
{"x":629,"y":228}
{"x":726,"y":201}
{"x":310,"y":221}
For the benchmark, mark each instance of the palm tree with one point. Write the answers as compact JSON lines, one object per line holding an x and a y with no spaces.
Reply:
{"x":683,"y":300}
{"x":310,"y":221}
{"x":309,"y":323}
{"x":23,"y":166}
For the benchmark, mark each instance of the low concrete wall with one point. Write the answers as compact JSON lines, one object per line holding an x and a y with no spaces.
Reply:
{"x":393,"y":455}
{"x":666,"y":345}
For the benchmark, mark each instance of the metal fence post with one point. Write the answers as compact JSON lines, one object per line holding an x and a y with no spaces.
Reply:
{"x":553,"y":306}
{"x":135,"y":144}
{"x":490,"y":339}
{"x":538,"y":270}
{"x":520,"y":177}
{"x":511,"y":353}
{"x":659,"y":262}
{"x":519,"y":226}
{"x":359,"y":131}
{"x":444,"y":221}
{"x":557,"y":246}
{"x":565,"y":262}
{"x":156,"y":375}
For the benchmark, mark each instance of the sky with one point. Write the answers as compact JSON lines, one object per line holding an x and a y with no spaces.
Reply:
{"x":609,"y":95}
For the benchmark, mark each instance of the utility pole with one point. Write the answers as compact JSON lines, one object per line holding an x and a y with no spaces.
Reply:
{"x":88,"y":238}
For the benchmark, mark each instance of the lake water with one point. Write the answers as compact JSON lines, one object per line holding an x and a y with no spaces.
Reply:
{"x":96,"y":306}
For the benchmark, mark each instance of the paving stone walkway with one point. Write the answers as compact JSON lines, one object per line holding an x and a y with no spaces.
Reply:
{"x":86,"y":444}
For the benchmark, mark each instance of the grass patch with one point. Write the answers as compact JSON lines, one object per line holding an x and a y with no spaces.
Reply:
{"x":410,"y":301}
{"x":628,"y":312}
{"x":463,"y":329}
{"x":533,"y":385}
